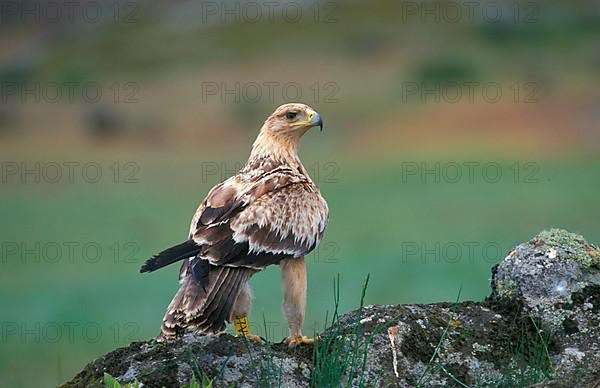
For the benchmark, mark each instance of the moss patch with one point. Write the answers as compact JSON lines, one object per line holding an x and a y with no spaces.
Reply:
{"x":571,"y":246}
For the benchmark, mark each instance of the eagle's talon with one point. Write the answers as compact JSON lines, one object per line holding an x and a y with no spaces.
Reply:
{"x":292,"y":342}
{"x":252,"y":337}
{"x":242,"y":329}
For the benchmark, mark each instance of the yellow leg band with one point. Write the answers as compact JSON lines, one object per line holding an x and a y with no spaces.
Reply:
{"x":241,"y":326}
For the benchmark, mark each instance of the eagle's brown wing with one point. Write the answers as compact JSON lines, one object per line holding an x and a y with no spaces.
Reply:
{"x":214,"y":239}
{"x":280,"y":216}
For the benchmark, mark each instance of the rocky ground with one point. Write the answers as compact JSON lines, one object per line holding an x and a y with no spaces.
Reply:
{"x":540,"y":326}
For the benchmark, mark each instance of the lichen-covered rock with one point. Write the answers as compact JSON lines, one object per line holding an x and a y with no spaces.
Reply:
{"x":556,"y":275}
{"x":229,"y":360}
{"x":540,"y":326}
{"x":441,"y":344}
{"x":547,"y":270}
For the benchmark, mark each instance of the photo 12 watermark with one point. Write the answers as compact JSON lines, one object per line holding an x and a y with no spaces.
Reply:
{"x":68,"y":332}
{"x":470,"y":91}
{"x":69,"y":252}
{"x":69,"y":12}
{"x":28,"y":92}
{"x":327,"y":252}
{"x":269,"y":12}
{"x":274,"y":330}
{"x":269,"y":91}
{"x":480,"y":12}
{"x":69,"y":172}
{"x":320,"y":172}
{"x":469,"y":172}
{"x":452,"y":252}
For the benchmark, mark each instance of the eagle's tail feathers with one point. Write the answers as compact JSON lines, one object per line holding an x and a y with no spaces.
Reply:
{"x":169,"y":256}
{"x":205,"y":309}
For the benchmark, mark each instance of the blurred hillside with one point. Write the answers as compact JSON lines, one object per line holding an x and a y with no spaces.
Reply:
{"x":187,"y":73}
{"x":450,"y":133}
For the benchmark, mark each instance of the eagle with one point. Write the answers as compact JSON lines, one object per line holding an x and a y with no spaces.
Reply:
{"x":269,"y":213}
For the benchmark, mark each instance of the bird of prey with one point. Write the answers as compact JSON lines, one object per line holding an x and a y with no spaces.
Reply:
{"x":269,"y":213}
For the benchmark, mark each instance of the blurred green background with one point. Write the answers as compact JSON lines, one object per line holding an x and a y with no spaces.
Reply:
{"x":184,"y":89}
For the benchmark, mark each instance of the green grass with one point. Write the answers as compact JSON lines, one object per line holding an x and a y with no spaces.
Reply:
{"x":372,"y":214}
{"x":111,"y":382}
{"x":531,"y":362}
{"x":339,"y":358}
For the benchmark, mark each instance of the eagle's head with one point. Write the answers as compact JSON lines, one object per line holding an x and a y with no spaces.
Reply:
{"x":282,"y":130}
{"x":292,"y":120}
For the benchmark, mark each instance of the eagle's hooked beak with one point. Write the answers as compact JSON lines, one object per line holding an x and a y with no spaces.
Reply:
{"x":315,"y":119}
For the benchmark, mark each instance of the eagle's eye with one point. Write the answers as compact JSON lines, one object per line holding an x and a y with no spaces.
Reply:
{"x":291,"y":115}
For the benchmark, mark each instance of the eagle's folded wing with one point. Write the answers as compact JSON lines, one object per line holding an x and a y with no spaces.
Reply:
{"x":280,"y":216}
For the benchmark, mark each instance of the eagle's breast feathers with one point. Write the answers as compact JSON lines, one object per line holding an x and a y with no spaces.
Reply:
{"x":267,"y":212}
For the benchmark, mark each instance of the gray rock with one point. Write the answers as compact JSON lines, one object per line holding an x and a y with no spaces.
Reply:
{"x":235,"y":361}
{"x":556,"y":275}
{"x":540,"y":326}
